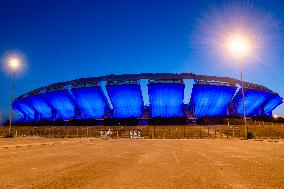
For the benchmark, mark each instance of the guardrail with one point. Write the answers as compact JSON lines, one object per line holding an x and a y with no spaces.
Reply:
{"x":151,"y":132}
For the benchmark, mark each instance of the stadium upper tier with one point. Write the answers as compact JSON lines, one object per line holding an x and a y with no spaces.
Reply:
{"x":122,"y":97}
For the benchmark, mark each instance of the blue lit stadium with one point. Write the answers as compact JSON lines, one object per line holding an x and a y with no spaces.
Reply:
{"x":121,"y":97}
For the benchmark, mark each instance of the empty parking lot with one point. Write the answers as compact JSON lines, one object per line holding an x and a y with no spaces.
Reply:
{"x":124,"y":163}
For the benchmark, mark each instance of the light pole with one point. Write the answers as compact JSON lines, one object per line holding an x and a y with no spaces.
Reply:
{"x":14,"y":64}
{"x":11,"y":107}
{"x":243,"y":99}
{"x":239,"y":47}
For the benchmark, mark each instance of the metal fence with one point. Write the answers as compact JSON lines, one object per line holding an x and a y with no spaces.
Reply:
{"x":260,"y":130}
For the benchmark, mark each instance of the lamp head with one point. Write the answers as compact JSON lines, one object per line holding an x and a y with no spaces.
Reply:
{"x":238,"y":46}
{"x":14,"y":63}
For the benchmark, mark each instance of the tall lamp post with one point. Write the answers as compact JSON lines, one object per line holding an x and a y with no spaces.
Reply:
{"x":243,"y":100}
{"x":14,"y":64}
{"x":239,"y":47}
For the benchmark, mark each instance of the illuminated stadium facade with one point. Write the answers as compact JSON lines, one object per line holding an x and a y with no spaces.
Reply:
{"x":86,"y":99}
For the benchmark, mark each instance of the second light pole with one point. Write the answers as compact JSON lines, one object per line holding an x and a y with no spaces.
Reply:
{"x":14,"y":64}
{"x":243,"y":99}
{"x":239,"y":47}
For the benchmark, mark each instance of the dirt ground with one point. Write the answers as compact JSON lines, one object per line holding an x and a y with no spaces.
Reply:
{"x":126,"y":163}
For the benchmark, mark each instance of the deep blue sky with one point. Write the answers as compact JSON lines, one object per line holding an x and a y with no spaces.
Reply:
{"x":66,"y":39}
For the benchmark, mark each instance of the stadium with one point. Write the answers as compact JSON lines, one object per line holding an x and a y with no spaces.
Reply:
{"x":121,"y":97}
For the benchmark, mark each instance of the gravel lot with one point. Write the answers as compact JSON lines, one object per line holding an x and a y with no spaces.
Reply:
{"x":125,"y":163}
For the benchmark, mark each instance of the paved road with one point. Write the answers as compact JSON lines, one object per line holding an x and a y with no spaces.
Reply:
{"x":123,"y":163}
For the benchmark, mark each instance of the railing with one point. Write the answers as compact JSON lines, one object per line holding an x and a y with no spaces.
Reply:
{"x":259,"y":131}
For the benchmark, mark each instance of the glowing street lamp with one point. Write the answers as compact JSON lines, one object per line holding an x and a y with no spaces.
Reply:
{"x":239,"y":47}
{"x":237,"y":32}
{"x":275,"y":116}
{"x":14,"y":64}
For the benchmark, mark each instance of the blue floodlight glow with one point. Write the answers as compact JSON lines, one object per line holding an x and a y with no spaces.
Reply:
{"x":271,"y":104}
{"x":126,"y":99}
{"x":37,"y":102}
{"x":254,"y":99}
{"x":61,"y":103}
{"x":25,"y":110}
{"x":166,"y":99}
{"x":91,"y":102}
{"x":211,"y":100}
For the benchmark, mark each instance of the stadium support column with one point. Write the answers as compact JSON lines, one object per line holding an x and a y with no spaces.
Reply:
{"x":37,"y":116}
{"x":243,"y":100}
{"x":228,"y":113}
{"x":77,"y":111}
{"x":193,"y":110}
{"x":53,"y":114}
{"x":261,"y":111}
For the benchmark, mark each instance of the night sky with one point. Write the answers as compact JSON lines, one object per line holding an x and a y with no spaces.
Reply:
{"x":66,"y":40}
